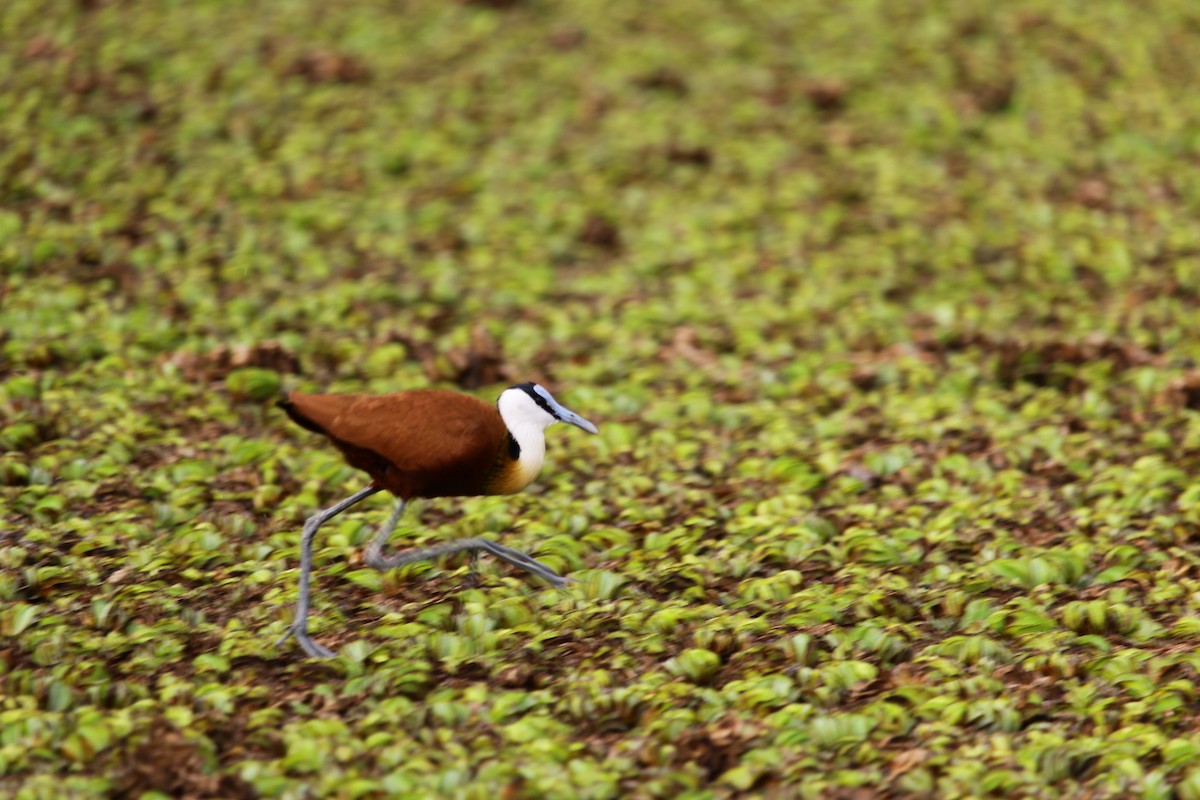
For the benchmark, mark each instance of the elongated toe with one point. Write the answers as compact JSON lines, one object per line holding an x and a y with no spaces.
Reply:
{"x":306,"y":643}
{"x":313,"y":649}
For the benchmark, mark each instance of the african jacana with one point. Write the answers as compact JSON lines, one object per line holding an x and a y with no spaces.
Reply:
{"x":428,"y":443}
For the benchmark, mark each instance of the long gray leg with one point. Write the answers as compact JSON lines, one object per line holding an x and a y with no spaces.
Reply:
{"x":374,"y":553}
{"x":299,"y":627}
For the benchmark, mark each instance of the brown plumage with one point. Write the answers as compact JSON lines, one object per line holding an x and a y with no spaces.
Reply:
{"x":423,"y":443}
{"x":428,"y":443}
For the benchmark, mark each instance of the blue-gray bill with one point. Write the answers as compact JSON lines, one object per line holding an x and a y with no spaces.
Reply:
{"x":571,"y":418}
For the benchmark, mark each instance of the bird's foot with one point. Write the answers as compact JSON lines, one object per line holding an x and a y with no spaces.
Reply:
{"x":525,"y":562}
{"x":306,"y":643}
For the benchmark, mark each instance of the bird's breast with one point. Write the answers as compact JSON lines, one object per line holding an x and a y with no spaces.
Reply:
{"x":519,"y":462}
{"x":513,"y":476}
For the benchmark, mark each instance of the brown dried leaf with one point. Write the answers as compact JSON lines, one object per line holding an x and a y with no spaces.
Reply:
{"x":1184,"y":391}
{"x":600,"y":232}
{"x":826,"y":94}
{"x":684,"y":345}
{"x":481,"y":363}
{"x":907,"y":760}
{"x":329,"y":66}
{"x":219,"y":362}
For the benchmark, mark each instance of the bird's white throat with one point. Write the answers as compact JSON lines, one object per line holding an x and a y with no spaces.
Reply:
{"x":531,"y":439}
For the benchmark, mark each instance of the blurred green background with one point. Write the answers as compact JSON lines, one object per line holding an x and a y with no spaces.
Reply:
{"x":886,"y":312}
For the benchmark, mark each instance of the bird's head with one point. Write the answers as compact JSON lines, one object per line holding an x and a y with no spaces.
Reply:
{"x":530,"y":404}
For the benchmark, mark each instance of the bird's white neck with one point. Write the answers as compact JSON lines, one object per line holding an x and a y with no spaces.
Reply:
{"x":531,"y":439}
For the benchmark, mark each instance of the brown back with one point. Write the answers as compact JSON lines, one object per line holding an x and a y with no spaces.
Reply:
{"x":424,"y":443}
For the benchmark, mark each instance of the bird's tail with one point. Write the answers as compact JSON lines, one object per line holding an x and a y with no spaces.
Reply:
{"x":297,"y":417}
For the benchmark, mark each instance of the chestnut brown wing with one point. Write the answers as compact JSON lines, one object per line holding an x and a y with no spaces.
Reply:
{"x":415,"y":444}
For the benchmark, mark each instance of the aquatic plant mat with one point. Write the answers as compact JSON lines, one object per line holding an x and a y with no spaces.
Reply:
{"x":886,"y":312}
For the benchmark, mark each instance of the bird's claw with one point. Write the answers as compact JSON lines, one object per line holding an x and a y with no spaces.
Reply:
{"x":313,"y":649}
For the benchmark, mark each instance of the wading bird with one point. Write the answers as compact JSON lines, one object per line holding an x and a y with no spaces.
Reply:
{"x":428,"y":443}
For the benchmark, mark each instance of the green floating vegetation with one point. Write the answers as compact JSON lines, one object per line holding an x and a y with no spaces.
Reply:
{"x":885,"y":311}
